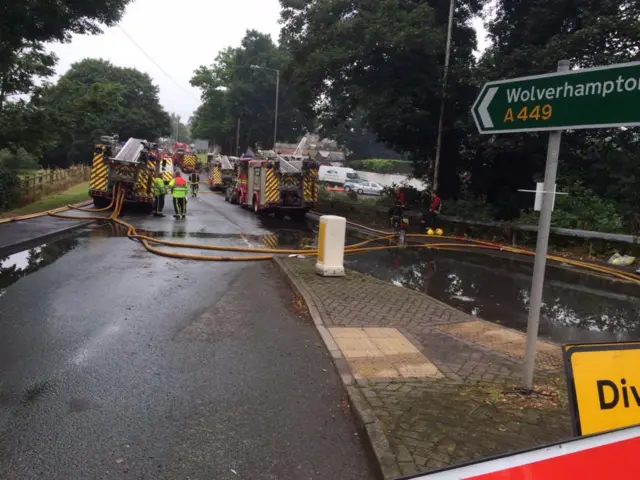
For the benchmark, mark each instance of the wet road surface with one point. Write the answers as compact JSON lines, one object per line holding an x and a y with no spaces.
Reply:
{"x":115,"y":363}
{"x":13,"y":234}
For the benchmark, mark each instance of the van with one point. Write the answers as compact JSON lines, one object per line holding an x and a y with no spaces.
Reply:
{"x":337,"y":175}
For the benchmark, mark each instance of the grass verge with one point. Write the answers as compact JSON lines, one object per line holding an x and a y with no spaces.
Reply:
{"x":75,"y":194}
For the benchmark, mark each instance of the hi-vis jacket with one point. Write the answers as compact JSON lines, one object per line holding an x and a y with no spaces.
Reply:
{"x":178,"y":187}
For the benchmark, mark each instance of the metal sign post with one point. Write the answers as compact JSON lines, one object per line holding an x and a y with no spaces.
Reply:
{"x":535,"y":299}
{"x":600,"y":97}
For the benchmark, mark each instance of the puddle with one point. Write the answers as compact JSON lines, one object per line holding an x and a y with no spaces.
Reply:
{"x":26,"y":262}
{"x":576,"y":306}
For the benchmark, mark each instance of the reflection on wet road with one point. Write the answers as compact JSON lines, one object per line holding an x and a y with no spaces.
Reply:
{"x":116,"y":363}
{"x":15,"y":266}
{"x":577,"y":307}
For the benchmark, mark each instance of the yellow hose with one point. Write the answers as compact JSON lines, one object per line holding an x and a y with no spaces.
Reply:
{"x":37,"y":215}
{"x":118,"y":200}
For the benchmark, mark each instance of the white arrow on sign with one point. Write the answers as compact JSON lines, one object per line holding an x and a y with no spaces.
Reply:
{"x":483,"y":109}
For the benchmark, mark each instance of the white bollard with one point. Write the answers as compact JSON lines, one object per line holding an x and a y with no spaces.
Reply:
{"x":331,"y":246}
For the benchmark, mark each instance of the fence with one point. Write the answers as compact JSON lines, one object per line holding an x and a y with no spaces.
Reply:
{"x":47,"y":182}
{"x":507,"y":231}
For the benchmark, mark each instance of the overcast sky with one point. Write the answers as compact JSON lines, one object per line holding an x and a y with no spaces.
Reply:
{"x":180,"y":35}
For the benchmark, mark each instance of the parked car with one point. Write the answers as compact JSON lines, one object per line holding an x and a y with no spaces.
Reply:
{"x":231,"y":193}
{"x":364,"y":188}
{"x":352,"y":185}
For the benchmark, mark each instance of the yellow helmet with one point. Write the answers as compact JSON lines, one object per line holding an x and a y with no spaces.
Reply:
{"x":429,"y":232}
{"x":439,"y":231}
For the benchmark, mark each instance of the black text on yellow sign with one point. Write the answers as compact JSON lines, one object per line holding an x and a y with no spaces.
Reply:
{"x":604,"y":385}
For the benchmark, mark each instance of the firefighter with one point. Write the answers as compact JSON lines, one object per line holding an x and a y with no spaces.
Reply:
{"x":429,"y":218}
{"x":179,"y":191}
{"x":159,"y":191}
{"x":396,"y":211}
{"x":194,"y":180}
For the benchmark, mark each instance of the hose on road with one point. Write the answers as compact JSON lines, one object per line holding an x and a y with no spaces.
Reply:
{"x":379,"y":235}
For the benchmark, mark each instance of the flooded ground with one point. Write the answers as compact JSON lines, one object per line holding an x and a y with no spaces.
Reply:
{"x":388,"y":179}
{"x":576,"y":306}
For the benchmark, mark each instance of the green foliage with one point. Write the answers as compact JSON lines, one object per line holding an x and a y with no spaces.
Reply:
{"x":179,"y":130}
{"x":18,"y":160}
{"x":93,"y":98}
{"x":530,"y":38}
{"x":232,"y":90}
{"x":475,"y":209}
{"x":381,"y":165}
{"x":9,"y":188}
{"x":22,"y":67}
{"x":358,"y":140}
{"x":384,"y":58}
{"x":581,"y":209}
{"x":45,"y":21}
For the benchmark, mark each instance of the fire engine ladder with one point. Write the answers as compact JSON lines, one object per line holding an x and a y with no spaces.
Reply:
{"x":225,"y":163}
{"x":289,"y":167}
{"x":128,"y":156}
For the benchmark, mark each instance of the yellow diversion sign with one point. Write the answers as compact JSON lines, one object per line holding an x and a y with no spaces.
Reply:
{"x":604,"y":385}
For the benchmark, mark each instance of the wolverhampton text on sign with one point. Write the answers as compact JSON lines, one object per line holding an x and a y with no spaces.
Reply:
{"x":589,"y":98}
{"x":604,"y":385}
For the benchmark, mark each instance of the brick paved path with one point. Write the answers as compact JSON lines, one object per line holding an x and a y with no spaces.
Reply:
{"x":462,"y":413}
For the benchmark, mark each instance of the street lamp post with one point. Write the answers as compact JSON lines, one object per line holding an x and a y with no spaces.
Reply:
{"x":436,"y":166}
{"x":275,"y":121}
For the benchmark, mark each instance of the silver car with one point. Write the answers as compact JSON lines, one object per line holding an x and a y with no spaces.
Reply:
{"x":364,"y":187}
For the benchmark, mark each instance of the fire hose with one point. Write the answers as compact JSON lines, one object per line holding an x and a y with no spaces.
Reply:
{"x":455,"y":244}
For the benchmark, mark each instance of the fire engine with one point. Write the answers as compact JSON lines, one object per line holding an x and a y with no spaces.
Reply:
{"x":221,"y":172}
{"x":166,"y":167}
{"x":179,"y":150}
{"x":189,"y":162}
{"x":132,"y":166}
{"x":275,"y":185}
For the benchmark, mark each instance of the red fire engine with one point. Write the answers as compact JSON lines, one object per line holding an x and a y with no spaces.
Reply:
{"x":269,"y":183}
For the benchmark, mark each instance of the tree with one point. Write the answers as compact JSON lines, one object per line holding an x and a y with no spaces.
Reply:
{"x":530,"y":38}
{"x":45,"y":21}
{"x":358,"y":140}
{"x":179,"y":130}
{"x":95,"y":98}
{"x":24,"y":28}
{"x":385,"y":57}
{"x":232,"y":90}
{"x":23,"y":67}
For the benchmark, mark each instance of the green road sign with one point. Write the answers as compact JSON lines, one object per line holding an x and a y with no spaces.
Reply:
{"x":591,"y":98}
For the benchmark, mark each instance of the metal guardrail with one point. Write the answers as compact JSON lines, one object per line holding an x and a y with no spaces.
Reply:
{"x":516,"y":227}
{"x":568,"y":232}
